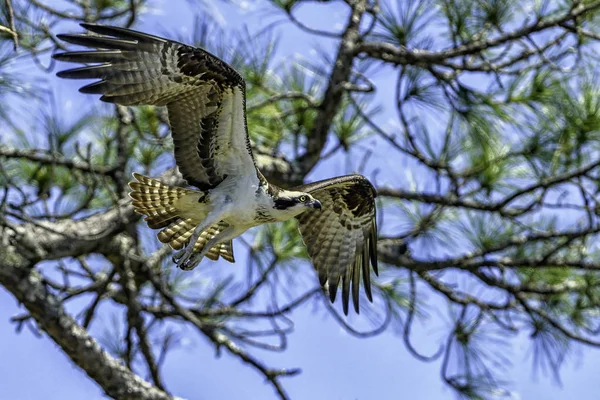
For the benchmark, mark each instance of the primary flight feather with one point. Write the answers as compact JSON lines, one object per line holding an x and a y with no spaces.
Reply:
{"x":206,"y":103}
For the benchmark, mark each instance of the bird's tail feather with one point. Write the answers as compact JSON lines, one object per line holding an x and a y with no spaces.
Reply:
{"x":178,"y":233}
{"x":156,"y":201}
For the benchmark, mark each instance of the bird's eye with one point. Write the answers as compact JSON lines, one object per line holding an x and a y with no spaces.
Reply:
{"x":303,"y":199}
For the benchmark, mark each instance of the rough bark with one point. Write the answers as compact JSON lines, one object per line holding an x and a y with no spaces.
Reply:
{"x":19,"y":277}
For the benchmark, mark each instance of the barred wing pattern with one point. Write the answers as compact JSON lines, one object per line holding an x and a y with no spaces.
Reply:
{"x":157,"y":202}
{"x":178,"y":234}
{"x":342,"y":238}
{"x":205,"y":97}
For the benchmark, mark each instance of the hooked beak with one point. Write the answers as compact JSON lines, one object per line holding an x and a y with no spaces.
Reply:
{"x":316,"y":204}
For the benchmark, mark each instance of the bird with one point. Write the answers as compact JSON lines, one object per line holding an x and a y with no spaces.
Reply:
{"x":206,"y":105}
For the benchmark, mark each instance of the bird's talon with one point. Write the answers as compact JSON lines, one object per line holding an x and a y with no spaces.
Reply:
{"x":191,"y":262}
{"x":182,"y":257}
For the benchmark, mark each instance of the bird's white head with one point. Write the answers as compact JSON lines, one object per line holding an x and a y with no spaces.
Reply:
{"x":289,"y":203}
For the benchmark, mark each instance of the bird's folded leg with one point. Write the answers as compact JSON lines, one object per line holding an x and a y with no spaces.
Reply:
{"x":228,"y":233}
{"x":182,"y":257}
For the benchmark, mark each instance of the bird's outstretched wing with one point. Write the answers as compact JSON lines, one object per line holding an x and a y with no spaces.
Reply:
{"x":205,"y":97}
{"x":342,"y":238}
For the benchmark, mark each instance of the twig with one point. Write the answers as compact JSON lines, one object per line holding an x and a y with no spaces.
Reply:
{"x":11,"y":22}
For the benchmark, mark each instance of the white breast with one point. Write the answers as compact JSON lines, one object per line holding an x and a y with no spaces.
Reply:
{"x":239,"y":196}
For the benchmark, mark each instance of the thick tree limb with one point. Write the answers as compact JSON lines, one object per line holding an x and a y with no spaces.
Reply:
{"x":335,"y":90}
{"x":19,"y":277}
{"x":44,"y":240}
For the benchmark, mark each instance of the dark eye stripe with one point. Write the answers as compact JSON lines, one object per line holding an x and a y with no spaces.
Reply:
{"x":283,"y":203}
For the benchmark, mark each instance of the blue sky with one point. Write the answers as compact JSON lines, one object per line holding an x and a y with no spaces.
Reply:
{"x":335,"y":365}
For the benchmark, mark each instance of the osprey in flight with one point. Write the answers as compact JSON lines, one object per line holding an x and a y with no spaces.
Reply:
{"x":206,"y":103}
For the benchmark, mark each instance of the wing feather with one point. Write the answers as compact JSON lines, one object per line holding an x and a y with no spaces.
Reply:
{"x":356,"y":278}
{"x":342,"y":238}
{"x":205,"y":97}
{"x":366,"y":273}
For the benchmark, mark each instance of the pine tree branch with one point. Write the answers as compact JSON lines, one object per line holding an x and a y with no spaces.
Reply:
{"x":45,"y":240}
{"x":276,"y":168}
{"x":221,"y":340}
{"x":332,"y":98}
{"x":19,"y":277}
{"x":11,"y":29}
{"x":498,"y":206}
{"x":49,"y":158}
{"x":390,"y":53}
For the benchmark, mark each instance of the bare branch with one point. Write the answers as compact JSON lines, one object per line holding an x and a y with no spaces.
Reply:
{"x":26,"y":284}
